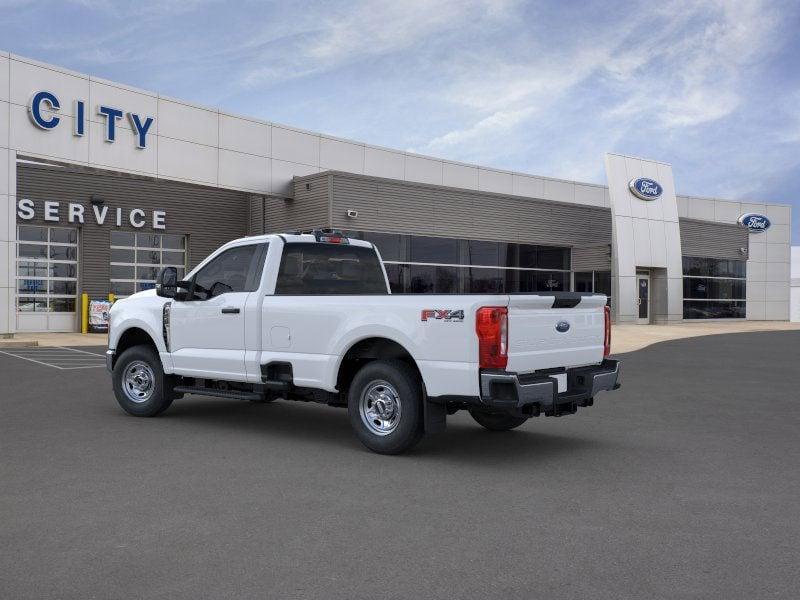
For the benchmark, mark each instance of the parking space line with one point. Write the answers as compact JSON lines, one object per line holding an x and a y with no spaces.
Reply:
{"x":59,"y":357}
{"x":32,"y":360}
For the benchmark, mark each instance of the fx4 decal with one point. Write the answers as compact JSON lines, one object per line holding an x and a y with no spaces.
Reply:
{"x":442,"y":314}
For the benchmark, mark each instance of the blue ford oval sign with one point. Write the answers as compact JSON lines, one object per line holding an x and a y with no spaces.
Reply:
{"x":646,"y":189}
{"x":754,"y":222}
{"x":562,"y":327}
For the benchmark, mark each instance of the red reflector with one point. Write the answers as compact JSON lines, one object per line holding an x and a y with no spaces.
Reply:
{"x":491,"y":325}
{"x":607,"y":338}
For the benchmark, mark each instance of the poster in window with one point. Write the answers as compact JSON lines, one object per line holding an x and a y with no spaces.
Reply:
{"x":98,"y":316}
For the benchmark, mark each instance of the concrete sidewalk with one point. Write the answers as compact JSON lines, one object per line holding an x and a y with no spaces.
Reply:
{"x":624,"y":338}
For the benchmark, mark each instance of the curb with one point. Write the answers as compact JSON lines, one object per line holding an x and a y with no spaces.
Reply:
{"x":18,"y":344}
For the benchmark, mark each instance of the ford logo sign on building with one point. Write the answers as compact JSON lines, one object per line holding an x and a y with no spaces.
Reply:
{"x":646,"y":189}
{"x":754,"y":223}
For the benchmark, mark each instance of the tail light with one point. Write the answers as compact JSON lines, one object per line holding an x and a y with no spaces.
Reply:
{"x":607,"y":338}
{"x":491,"y":325}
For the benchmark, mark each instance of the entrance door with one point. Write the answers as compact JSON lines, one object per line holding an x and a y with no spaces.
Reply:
{"x":643,"y":287}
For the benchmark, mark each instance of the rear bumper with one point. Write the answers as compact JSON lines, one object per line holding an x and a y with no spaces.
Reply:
{"x":538,"y":393}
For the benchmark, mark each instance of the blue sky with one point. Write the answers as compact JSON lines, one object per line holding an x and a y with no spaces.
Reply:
{"x":542,"y":87}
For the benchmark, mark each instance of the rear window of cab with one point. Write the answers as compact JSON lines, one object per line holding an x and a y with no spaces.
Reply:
{"x":329,"y":269}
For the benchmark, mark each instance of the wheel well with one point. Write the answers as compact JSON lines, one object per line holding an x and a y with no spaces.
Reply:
{"x":366,"y":351}
{"x":133,"y":337}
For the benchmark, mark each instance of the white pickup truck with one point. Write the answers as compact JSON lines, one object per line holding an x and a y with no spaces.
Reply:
{"x":311,"y":317}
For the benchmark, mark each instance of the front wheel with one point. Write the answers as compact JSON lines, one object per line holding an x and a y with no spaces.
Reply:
{"x":385,"y":406}
{"x":497,"y":421}
{"x":139,"y":382}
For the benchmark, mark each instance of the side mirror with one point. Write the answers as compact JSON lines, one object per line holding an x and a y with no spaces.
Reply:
{"x":167,"y":282}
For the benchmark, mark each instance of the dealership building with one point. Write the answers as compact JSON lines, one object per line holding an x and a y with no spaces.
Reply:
{"x":102,"y":184}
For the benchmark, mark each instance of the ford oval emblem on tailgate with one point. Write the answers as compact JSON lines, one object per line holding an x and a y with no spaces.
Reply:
{"x":562,"y":327}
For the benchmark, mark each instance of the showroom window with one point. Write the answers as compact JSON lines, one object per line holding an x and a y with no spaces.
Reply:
{"x":438,"y":265}
{"x":714,"y":288}
{"x":136,"y":259}
{"x":47,"y":269}
{"x":593,"y":281}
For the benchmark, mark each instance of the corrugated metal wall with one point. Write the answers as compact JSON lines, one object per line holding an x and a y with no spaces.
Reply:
{"x":591,"y":258}
{"x":713,"y":240}
{"x":308,"y":209}
{"x":403,"y":207}
{"x":209,"y":216}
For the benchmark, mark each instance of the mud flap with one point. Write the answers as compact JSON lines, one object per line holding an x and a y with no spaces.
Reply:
{"x":435,"y":416}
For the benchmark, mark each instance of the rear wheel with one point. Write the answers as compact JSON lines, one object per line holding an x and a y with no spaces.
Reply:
{"x":497,"y":421}
{"x":385,"y":406}
{"x":139,"y":382}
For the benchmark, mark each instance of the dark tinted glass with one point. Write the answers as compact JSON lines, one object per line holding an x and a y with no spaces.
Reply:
{"x":121,"y":272}
{"x":148,"y":257}
{"x":487,"y":281}
{"x":390,"y":245}
{"x":396,"y":277}
{"x":173,"y":242}
{"x":62,"y":304}
{"x":64,"y":236}
{"x":172,"y":258}
{"x":435,"y":280}
{"x":583,"y":282}
{"x":714,"y":267}
{"x":434,"y":250}
{"x":32,"y":269}
{"x":32,"y":251}
{"x":146,"y":273}
{"x":121,"y":289}
{"x":148,"y":240}
{"x":602,"y":282}
{"x":125,"y":256}
{"x":63,"y":252}
{"x":29,"y":233}
{"x":714,"y":289}
{"x":62,"y":287}
{"x":709,"y":309}
{"x":122,"y":238}
{"x":527,"y":256}
{"x":63,"y":270}
{"x":311,"y":268}
{"x":485,"y":253}
{"x":228,"y":272}
{"x":553,"y":258}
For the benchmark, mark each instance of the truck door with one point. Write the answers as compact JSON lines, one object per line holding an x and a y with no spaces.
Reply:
{"x":207,"y":330}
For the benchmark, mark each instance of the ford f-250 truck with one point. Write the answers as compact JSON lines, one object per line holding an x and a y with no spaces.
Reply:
{"x":311,"y":317}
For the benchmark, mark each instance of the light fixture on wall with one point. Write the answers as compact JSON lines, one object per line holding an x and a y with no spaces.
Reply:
{"x":96,"y":201}
{"x":352,"y":214}
{"x":743,"y":251}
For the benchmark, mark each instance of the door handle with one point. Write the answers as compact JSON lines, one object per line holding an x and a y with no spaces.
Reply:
{"x":230,"y":310}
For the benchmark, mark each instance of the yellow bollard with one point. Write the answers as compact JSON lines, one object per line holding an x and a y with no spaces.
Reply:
{"x":112,"y":298}
{"x":84,"y":313}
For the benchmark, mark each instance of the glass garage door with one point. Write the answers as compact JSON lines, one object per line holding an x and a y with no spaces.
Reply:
{"x":47,"y":278}
{"x":136,"y":259}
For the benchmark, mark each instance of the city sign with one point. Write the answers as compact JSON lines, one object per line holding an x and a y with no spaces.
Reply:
{"x":44,"y":107}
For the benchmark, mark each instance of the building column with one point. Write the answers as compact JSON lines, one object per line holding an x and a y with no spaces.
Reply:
{"x":8,"y":229}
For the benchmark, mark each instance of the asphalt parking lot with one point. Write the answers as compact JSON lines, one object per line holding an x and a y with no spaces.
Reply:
{"x":683,"y":484}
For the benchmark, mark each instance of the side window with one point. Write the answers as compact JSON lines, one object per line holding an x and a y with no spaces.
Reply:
{"x":235,"y":270}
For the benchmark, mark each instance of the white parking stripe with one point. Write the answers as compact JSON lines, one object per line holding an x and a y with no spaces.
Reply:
{"x":31,"y":360}
{"x":59,"y":357}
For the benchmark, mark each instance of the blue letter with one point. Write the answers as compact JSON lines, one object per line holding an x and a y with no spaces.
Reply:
{"x":80,"y":118}
{"x":140,"y":129}
{"x":36,"y":109}
{"x":111,"y":114}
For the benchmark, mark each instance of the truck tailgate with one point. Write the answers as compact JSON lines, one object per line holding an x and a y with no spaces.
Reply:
{"x":549,"y":331}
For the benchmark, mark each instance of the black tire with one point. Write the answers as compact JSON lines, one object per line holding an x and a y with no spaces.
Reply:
{"x":159,"y":394}
{"x":407,"y":427}
{"x":497,"y":421}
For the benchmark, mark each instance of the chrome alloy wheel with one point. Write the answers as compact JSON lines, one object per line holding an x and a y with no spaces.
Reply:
{"x":380,"y":407}
{"x":138,"y":381}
